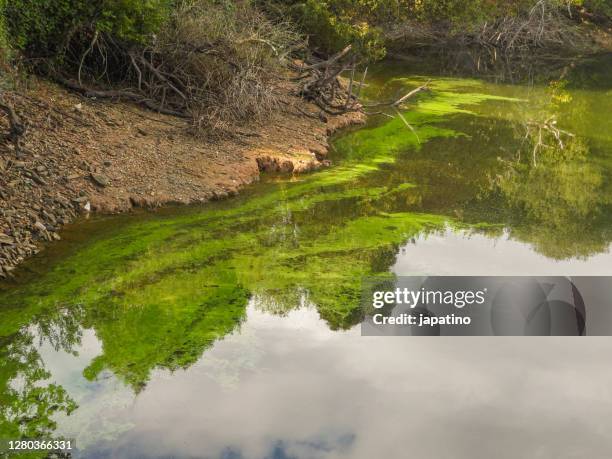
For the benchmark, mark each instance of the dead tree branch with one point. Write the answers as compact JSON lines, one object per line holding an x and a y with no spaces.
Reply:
{"x":398,"y":102}
{"x":321,"y":82}
{"x":120,"y":95}
{"x":16,"y":127}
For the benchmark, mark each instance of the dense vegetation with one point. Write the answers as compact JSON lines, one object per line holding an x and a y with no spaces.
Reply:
{"x":218,"y":61}
{"x":209,"y":61}
{"x":372,"y":24}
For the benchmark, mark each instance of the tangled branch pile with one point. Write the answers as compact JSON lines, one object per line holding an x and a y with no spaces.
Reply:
{"x":544,"y":25}
{"x":211,"y":62}
{"x":213,"y":66}
{"x":518,"y":29}
{"x":321,"y":84}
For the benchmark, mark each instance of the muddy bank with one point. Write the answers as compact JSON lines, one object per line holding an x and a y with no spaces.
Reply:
{"x":81,"y":155}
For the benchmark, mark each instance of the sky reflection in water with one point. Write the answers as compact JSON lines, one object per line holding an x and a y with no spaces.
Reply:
{"x":231,"y":332}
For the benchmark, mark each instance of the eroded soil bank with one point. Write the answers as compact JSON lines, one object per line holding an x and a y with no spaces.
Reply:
{"x":82,"y":155}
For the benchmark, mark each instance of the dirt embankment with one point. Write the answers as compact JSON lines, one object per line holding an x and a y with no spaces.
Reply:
{"x":82,"y":155}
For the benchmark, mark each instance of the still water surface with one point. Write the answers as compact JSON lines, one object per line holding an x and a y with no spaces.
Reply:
{"x":231,"y":330}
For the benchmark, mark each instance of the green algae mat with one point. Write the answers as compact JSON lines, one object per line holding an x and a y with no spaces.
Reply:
{"x":525,"y":163}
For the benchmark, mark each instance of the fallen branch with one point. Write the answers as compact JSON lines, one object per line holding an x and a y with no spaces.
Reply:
{"x":361,"y":83}
{"x":120,"y":94}
{"x":16,"y":128}
{"x":404,"y":98}
{"x":406,"y":123}
{"x":326,"y":63}
{"x":399,"y":101}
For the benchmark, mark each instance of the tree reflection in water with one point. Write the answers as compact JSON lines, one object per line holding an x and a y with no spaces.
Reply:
{"x":554,"y":190}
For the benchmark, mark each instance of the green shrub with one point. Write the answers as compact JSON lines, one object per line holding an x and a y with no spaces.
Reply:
{"x":332,"y":25}
{"x":43,"y":28}
{"x":4,"y":44}
{"x":463,"y":13}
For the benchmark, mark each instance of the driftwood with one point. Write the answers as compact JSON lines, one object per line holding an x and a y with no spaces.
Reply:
{"x":16,"y":127}
{"x":119,"y":94}
{"x":320,"y":83}
{"x":398,"y":102}
{"x":396,"y":106}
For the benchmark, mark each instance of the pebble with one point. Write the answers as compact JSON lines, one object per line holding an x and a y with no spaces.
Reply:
{"x":101,"y":180}
{"x":38,"y":179}
{"x":4,"y":239}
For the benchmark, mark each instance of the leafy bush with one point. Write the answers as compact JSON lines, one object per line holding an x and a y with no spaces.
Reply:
{"x":46,"y":27}
{"x":331,"y":25}
{"x":4,"y":44}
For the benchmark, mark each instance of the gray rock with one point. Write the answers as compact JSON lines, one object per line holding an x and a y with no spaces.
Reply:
{"x":101,"y":180}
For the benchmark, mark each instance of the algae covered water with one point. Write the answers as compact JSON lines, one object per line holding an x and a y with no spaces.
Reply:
{"x":231,"y":330}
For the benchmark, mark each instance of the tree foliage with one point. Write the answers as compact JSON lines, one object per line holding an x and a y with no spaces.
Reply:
{"x":45,"y":27}
{"x":332,"y":25}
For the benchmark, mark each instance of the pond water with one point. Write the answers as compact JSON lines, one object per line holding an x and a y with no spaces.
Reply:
{"x":231,"y":330}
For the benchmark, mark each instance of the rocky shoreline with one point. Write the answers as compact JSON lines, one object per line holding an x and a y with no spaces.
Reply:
{"x":81,"y":155}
